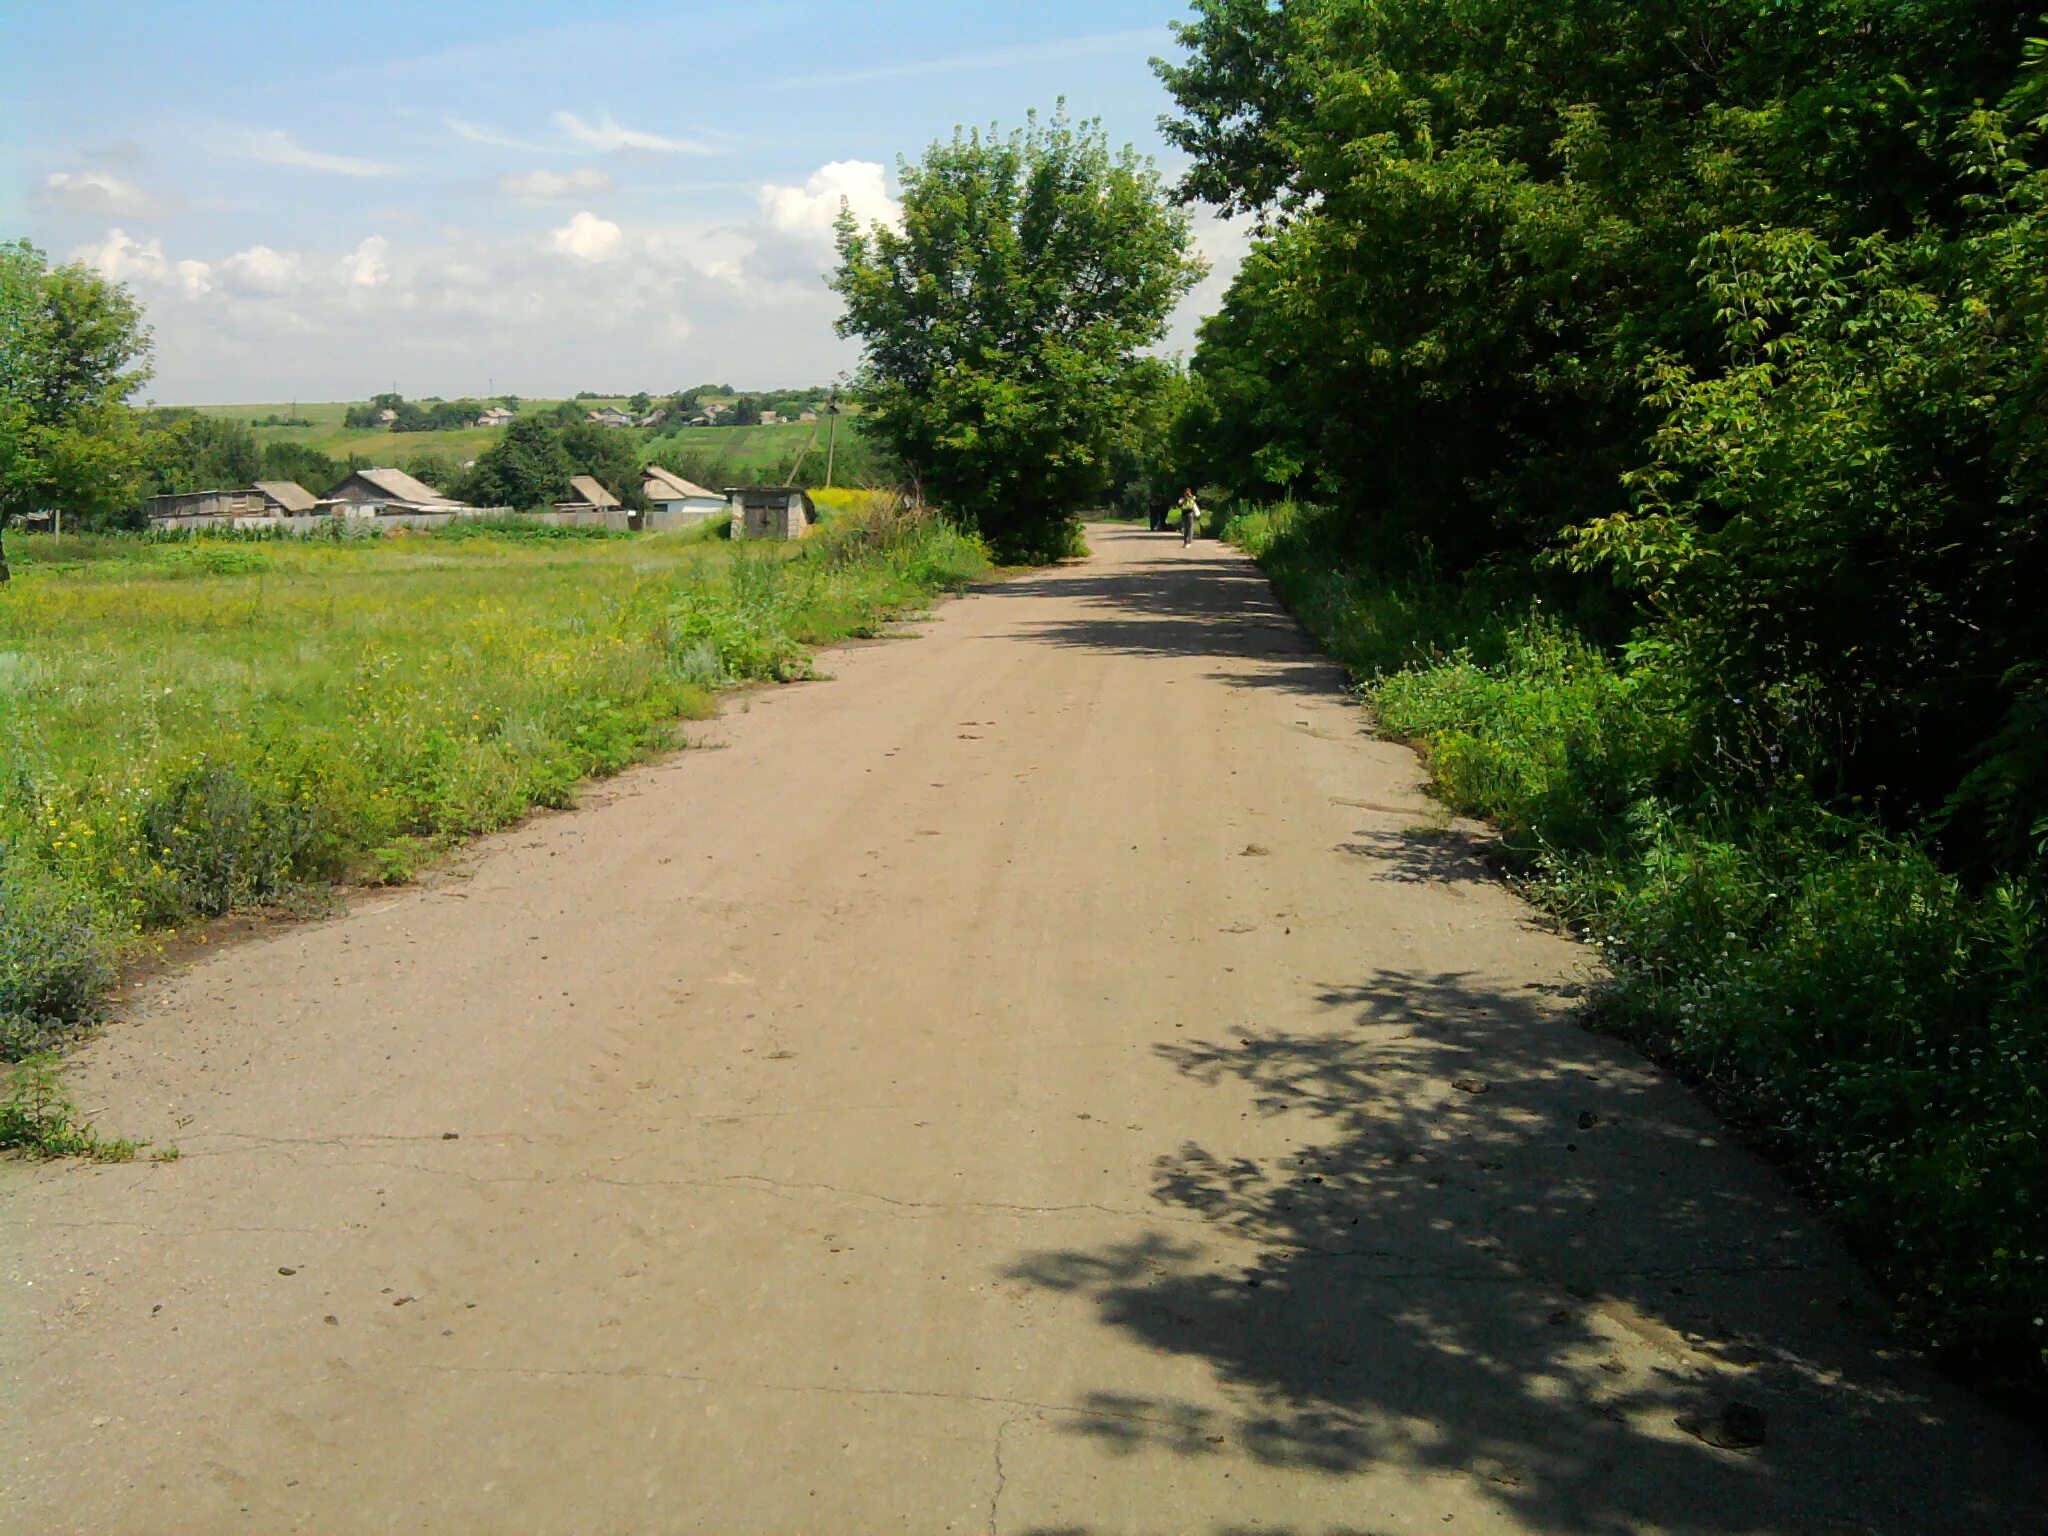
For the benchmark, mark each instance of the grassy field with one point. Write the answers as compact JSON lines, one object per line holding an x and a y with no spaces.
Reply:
{"x":327,"y":434}
{"x":194,"y":727}
{"x":743,"y":453}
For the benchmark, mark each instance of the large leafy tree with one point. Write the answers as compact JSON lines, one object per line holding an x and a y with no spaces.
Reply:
{"x":1736,"y":302}
{"x":73,"y":348}
{"x":1484,"y":215}
{"x":1003,"y":322}
{"x":524,"y":468}
{"x":187,"y":450}
{"x":609,"y":457}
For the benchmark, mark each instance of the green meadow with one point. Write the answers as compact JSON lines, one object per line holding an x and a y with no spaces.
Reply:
{"x":194,"y":727}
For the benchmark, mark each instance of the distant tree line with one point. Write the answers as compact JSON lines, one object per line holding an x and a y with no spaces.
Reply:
{"x":413,"y":415}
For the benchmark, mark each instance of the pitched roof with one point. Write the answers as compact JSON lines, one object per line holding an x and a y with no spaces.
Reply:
{"x":665,"y":485}
{"x":400,"y":486}
{"x":588,"y":489}
{"x":288,"y":494}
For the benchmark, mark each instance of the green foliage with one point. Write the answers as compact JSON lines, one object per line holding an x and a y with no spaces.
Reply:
{"x":1829,"y":984}
{"x":184,"y":450}
{"x":1720,"y":328}
{"x":72,"y":349}
{"x":784,"y":454}
{"x":37,"y":1118}
{"x":434,"y":469}
{"x":54,"y":960}
{"x":196,"y":726}
{"x":305,"y":466}
{"x":1734,"y":318}
{"x":607,"y":456}
{"x":1001,"y":324}
{"x":527,"y":467}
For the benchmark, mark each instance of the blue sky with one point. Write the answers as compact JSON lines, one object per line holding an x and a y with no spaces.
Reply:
{"x":318,"y":201}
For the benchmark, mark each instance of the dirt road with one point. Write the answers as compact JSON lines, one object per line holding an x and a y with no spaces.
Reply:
{"x":1050,"y":1078}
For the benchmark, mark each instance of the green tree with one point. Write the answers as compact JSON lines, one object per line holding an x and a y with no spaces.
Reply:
{"x":435,"y":469}
{"x":187,"y":450}
{"x":73,"y":348}
{"x":525,"y":467}
{"x":608,"y":457}
{"x":1002,"y":324}
{"x":306,"y":466}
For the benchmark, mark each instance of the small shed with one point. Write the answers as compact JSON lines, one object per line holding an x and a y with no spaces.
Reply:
{"x":288,"y":495}
{"x":264,"y":499}
{"x":390,"y":490}
{"x":772,"y":512}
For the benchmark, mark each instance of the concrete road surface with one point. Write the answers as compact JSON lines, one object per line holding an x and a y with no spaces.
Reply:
{"x":1054,"y":1077}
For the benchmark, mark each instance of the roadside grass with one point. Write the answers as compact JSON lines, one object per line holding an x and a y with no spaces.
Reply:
{"x":204,"y":726}
{"x":1881,"y":1024}
{"x":38,"y":1119}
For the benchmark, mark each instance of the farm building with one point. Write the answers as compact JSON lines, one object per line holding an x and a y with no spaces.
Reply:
{"x":587,"y":494}
{"x":772,"y":512}
{"x":390,"y":490}
{"x":610,"y":416}
{"x":496,"y":416}
{"x":266,"y":498}
{"x":677,"y":501}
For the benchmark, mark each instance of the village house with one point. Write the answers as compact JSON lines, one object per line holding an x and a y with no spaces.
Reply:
{"x":677,"y":501}
{"x":807,"y":415}
{"x":496,"y":416}
{"x":389,"y":490}
{"x":610,"y":416}
{"x":772,"y":512}
{"x":770,"y":419}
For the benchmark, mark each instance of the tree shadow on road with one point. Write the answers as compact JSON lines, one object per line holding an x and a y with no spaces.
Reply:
{"x":1484,"y":1210}
{"x":1215,"y":605}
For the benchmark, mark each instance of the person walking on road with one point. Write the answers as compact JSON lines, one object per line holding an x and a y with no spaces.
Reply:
{"x":1190,"y":515}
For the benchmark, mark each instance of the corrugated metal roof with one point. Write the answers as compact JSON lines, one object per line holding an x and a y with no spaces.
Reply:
{"x":400,"y":486}
{"x":666,"y":485}
{"x":288,"y":494}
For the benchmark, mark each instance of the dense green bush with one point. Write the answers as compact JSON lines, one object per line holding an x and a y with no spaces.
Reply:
{"x":1884,"y":1022}
{"x":55,"y":959}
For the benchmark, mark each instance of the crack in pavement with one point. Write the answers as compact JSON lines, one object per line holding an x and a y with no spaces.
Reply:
{"x":995,"y":1498}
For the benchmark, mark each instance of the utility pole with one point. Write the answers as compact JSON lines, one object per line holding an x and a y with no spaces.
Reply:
{"x":831,"y":433}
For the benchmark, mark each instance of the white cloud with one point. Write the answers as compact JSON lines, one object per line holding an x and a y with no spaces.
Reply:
{"x":365,"y":266}
{"x":609,"y":134}
{"x":810,"y":211}
{"x":261,"y":272}
{"x":459,"y":308}
{"x":125,"y":259}
{"x":98,"y":192}
{"x":585,"y":181}
{"x":479,"y":133}
{"x":276,"y":147}
{"x":1222,"y":242}
{"x":587,"y":237}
